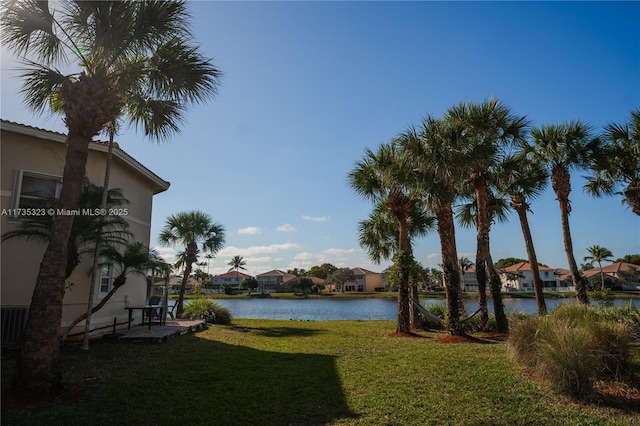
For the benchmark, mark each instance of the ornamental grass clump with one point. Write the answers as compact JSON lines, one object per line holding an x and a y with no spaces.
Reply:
{"x":572,"y":348}
{"x":210,"y":312}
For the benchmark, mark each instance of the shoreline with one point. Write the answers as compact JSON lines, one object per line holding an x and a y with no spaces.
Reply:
{"x":631,"y":294}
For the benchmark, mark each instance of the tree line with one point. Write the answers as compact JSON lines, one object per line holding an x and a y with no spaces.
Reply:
{"x":472,"y":164}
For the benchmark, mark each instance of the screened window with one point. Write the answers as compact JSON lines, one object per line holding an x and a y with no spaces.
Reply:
{"x":106,"y":271}
{"x":34,"y":190}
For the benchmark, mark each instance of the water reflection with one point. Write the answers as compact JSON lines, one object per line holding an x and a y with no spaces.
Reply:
{"x":360,"y":309}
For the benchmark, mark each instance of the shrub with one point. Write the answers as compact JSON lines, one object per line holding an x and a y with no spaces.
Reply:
{"x":207,"y":310}
{"x":572,"y":347}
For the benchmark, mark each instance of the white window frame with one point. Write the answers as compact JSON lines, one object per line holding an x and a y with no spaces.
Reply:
{"x":109,"y":277}
{"x":17,"y":187}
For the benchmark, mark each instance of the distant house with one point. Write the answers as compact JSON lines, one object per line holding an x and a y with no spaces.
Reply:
{"x":519,"y":277}
{"x":176,"y":281}
{"x":32,"y":165}
{"x":469,"y":280}
{"x":232,"y":279}
{"x":274,"y":281}
{"x":364,"y":281}
{"x":627,"y":272}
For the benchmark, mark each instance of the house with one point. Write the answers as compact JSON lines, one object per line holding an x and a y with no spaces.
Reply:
{"x":468,"y":279}
{"x":626,"y":272}
{"x":32,"y":165}
{"x":274,"y":281}
{"x":232,"y":279}
{"x":176,"y":281}
{"x":519,"y":277}
{"x":364,"y":281}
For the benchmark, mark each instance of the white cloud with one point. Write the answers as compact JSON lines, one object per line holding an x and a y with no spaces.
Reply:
{"x":337,"y":251}
{"x":249,"y":230}
{"x":256,"y":250}
{"x":317,"y":219}
{"x":285,"y":227}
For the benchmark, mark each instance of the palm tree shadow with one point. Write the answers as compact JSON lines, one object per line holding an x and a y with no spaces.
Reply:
{"x":277,"y":331}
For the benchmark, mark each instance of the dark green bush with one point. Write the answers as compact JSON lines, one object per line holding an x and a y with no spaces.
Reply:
{"x":207,"y":310}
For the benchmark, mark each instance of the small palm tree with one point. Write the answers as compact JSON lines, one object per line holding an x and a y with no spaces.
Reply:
{"x":620,"y":163}
{"x":382,"y":177}
{"x":237,"y":262}
{"x":192,"y":230}
{"x":378,"y":235}
{"x":560,"y":149}
{"x":464,"y":264}
{"x":599,"y":254}
{"x":128,"y":259}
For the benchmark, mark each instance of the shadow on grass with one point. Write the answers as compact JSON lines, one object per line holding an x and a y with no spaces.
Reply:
{"x":191,"y":380}
{"x":277,"y":331}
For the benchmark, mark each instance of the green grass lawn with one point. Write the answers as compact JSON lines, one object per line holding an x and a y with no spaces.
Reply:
{"x":267,"y":372}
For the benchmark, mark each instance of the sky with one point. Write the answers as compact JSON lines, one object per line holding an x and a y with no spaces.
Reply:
{"x":308,"y":86}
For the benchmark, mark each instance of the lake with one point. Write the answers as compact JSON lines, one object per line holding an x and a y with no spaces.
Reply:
{"x":360,"y":309}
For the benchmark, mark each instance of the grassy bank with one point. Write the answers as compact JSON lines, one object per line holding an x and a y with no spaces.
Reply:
{"x":304,"y":373}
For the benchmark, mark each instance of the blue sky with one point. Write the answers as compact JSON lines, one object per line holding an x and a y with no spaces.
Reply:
{"x":308,"y":86}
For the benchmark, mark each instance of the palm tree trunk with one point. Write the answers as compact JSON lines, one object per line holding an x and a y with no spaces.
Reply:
{"x":521,"y":209}
{"x":183,"y":286}
{"x":578,"y":282}
{"x":601,"y":276}
{"x":96,"y":249}
{"x":447,"y":234}
{"x":38,"y":366}
{"x":117,"y":283}
{"x":403,"y":319}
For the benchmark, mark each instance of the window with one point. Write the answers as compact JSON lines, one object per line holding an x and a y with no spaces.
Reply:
{"x":106,"y":270}
{"x":33,"y":190}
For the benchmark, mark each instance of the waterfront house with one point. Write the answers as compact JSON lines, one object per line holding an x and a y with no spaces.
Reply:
{"x":519,"y":277}
{"x":274,"y":281}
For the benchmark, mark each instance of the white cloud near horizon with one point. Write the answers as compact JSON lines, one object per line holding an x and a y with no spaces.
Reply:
{"x":249,"y":230}
{"x":316,"y":218}
{"x":285,"y":227}
{"x":337,"y":251}
{"x":256,"y":250}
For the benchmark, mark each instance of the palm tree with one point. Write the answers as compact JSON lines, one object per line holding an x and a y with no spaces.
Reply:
{"x":490,"y":128}
{"x":191,"y":230}
{"x":599,"y":254}
{"x":378,"y":235}
{"x":382,"y":178}
{"x":464,"y":263}
{"x":620,"y":163}
{"x":560,"y":149}
{"x":130,"y":259}
{"x":435,"y":159}
{"x":237,"y":262}
{"x":86,"y":229}
{"x":524,"y":180}
{"x":133,"y":59}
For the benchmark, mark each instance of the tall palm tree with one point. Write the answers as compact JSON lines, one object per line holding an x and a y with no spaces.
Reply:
{"x":523,"y":180}
{"x":192,"y":230}
{"x":133,"y":59}
{"x":561,"y":148}
{"x":490,"y":128}
{"x":599,"y":254}
{"x":237,"y":262}
{"x":378,"y":235}
{"x":464,"y":263}
{"x":437,"y":163}
{"x":128,"y":259}
{"x":86,"y":231}
{"x":620,"y":163}
{"x":382,"y":177}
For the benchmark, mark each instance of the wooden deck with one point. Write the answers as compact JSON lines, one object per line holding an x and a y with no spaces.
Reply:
{"x":157,"y":333}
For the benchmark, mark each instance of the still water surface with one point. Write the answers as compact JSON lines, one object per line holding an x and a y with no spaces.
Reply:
{"x":359,"y":309}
